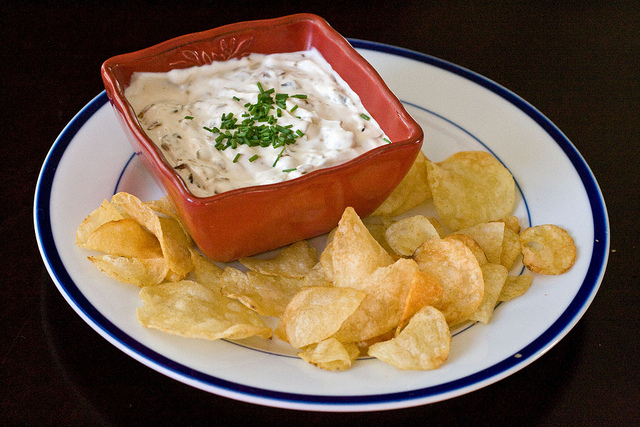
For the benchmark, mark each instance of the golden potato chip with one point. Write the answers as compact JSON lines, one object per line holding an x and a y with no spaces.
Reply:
{"x":424,"y":290}
{"x":175,"y":244}
{"x":547,"y":249}
{"x":140,"y":272}
{"x":459,"y":274}
{"x":295,"y":260}
{"x":515,"y":286}
{"x":267,"y":295}
{"x":405,"y":235}
{"x":386,"y":292}
{"x":316,"y":277}
{"x":475,"y":248}
{"x":439,"y":228}
{"x":326,"y":261}
{"x":192,"y":310}
{"x":412,"y":190}
{"x":511,"y":249}
{"x":489,"y":236}
{"x":494,"y":276}
{"x":124,"y":237}
{"x":166,"y":207}
{"x":423,"y":345}
{"x":105,"y":213}
{"x":469,"y":188}
{"x":316,"y":313}
{"x":512,"y":223}
{"x":355,"y":253}
{"x":377,"y":225}
{"x":205,"y":271}
{"x":330,"y":354}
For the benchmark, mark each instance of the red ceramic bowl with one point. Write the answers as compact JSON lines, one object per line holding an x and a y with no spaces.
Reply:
{"x":255,"y":219}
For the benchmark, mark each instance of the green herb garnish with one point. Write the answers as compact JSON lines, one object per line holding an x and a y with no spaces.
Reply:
{"x":258,"y":126}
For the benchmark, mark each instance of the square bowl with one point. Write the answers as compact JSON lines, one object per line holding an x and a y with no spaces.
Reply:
{"x":251,"y":220}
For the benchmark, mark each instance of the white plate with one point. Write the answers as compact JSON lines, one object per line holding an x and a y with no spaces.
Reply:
{"x":458,"y":110}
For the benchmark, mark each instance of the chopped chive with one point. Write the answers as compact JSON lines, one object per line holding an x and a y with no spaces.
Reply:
{"x":235,"y":159}
{"x":189,"y":117}
{"x":364,"y":116}
{"x":294,"y":108}
{"x":253,"y":158}
{"x":387,"y":140}
{"x":289,"y":170}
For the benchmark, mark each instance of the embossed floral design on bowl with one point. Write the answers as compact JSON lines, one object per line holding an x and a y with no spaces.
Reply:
{"x":255,"y":219}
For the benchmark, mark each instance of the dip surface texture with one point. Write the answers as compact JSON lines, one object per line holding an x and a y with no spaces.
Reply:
{"x":181,"y":109}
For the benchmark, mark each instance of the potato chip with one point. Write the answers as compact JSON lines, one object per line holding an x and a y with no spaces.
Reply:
{"x":205,"y":271}
{"x":424,"y":290}
{"x":423,"y":345}
{"x":386,"y":292}
{"x":489,"y":236}
{"x":355,"y":253}
{"x":515,"y":286}
{"x":316,"y":313}
{"x":412,"y":190}
{"x":459,"y":274}
{"x":512,"y":223}
{"x":192,"y":310}
{"x":475,"y":248}
{"x":124,"y":237}
{"x":405,"y":235}
{"x":547,"y":249}
{"x":140,"y":272}
{"x":377,"y":226}
{"x":105,"y":213}
{"x":511,"y":249}
{"x":469,"y":188}
{"x":295,"y":260}
{"x":267,"y":295}
{"x":494,"y":276}
{"x":326,"y":261}
{"x":175,"y":244}
{"x":439,"y":228}
{"x":316,"y":277}
{"x":330,"y":354}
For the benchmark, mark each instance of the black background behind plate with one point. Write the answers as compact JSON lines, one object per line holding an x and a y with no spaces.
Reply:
{"x":577,"y":62}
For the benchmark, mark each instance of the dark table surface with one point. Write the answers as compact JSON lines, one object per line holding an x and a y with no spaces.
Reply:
{"x":577,"y":62}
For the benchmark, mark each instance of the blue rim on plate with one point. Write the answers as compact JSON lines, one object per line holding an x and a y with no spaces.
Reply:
{"x":534,"y":349}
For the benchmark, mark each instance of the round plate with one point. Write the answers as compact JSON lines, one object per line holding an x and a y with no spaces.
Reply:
{"x":458,"y":110}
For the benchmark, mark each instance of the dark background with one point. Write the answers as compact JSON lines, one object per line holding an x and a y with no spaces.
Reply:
{"x":577,"y":62}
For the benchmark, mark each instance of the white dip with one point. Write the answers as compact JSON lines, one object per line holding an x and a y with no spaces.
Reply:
{"x":182,"y":110}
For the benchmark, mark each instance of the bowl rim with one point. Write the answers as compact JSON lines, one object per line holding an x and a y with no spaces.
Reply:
{"x":115,"y":91}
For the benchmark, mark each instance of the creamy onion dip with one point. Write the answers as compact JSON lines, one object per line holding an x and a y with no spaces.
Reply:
{"x":179,"y":109}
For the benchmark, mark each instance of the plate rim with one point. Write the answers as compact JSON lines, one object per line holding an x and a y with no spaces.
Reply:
{"x":535,"y":349}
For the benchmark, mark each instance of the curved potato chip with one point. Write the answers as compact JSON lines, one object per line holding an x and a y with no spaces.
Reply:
{"x":295,"y":260}
{"x":412,"y":190}
{"x":405,"y":235}
{"x":475,"y":248}
{"x":330,"y":354}
{"x":206,"y":272}
{"x":386,"y":292}
{"x":105,"y":213}
{"x":489,"y":236}
{"x":424,"y":290}
{"x":140,"y":272}
{"x":192,"y":310}
{"x":515,"y":286}
{"x":471,"y":187}
{"x":355,"y":253}
{"x":175,"y":244}
{"x":459,"y":274}
{"x":124,"y":237}
{"x":423,"y":345}
{"x":314,"y":314}
{"x":547,"y":249}
{"x":511,"y":249}
{"x":267,"y":295}
{"x":494,"y":277}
